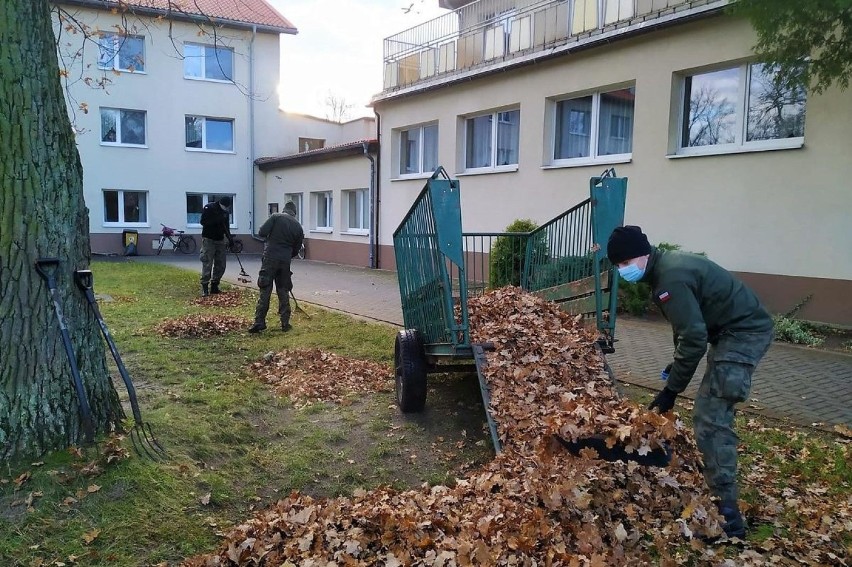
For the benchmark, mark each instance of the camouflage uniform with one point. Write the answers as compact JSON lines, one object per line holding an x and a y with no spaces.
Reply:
{"x":706,"y":304}
{"x":284,"y":236}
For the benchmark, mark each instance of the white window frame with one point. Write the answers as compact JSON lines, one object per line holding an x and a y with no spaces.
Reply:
{"x":204,"y":147}
{"x":740,"y":144}
{"x":421,"y":149}
{"x":594,"y":158}
{"x":115,"y":61}
{"x":495,"y":124}
{"x":121,"y":221}
{"x":328,"y":223}
{"x":362,"y":213}
{"x":297,"y":199}
{"x":118,"y":133}
{"x":208,"y":198}
{"x":203,"y":60}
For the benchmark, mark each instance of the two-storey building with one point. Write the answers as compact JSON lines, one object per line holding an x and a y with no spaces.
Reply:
{"x":171,"y":102}
{"x":524,"y":100}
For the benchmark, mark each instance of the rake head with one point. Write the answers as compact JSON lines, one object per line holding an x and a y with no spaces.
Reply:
{"x":145,"y":444}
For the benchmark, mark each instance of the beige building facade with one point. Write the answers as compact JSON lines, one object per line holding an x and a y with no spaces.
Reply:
{"x":675,"y":101}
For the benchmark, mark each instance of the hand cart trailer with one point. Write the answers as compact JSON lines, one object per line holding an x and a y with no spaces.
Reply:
{"x":438,"y":266}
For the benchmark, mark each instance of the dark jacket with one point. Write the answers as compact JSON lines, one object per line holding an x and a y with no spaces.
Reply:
{"x":215,"y":222}
{"x":702,"y":301}
{"x":284,"y":236}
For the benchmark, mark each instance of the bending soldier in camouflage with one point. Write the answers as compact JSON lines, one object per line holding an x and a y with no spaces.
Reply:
{"x":705,"y":305}
{"x":284,"y":236}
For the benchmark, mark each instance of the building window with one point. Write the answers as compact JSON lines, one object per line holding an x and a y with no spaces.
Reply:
{"x":122,"y":127}
{"x":308,"y":144}
{"x":491,"y":140}
{"x":210,"y":134}
{"x":208,"y":62}
{"x":594,"y":126}
{"x":125,"y":207}
{"x":418,"y":150}
{"x":296,"y":199}
{"x":121,"y":52}
{"x":741,"y":107}
{"x":195,"y":204}
{"x":323,"y":209}
{"x":357,"y":204}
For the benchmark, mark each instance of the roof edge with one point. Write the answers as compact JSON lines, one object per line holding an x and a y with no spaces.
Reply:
{"x":181,"y":16}
{"x":349,"y":149}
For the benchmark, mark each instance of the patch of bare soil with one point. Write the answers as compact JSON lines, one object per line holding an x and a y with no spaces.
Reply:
{"x":307,"y":376}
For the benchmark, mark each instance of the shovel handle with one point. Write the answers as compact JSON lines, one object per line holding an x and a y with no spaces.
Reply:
{"x":84,"y":279}
{"x":41,"y":263}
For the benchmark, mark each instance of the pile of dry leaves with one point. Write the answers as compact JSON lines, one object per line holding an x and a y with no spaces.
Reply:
{"x":311,"y":375}
{"x":201,"y":326}
{"x":232,"y":298}
{"x":534,"y":504}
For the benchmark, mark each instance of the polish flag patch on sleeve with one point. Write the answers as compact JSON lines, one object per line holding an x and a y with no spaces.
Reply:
{"x":664,"y":296}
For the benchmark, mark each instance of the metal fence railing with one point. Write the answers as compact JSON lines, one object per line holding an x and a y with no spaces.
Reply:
{"x":495,"y":30}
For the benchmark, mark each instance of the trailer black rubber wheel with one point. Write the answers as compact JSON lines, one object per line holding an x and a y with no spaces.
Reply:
{"x":410,"y":371}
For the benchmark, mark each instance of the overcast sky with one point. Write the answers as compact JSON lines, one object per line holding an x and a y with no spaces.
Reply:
{"x":338,"y":49}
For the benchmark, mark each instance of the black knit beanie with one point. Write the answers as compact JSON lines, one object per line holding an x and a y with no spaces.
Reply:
{"x":226,"y":201}
{"x":627,"y":242}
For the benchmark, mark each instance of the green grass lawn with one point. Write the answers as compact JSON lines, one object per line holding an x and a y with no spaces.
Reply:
{"x":232,"y":445}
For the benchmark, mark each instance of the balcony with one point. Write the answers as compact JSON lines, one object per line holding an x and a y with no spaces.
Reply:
{"x":490,"y":35}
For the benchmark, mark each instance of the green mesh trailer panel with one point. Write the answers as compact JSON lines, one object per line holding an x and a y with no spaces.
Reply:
{"x":566,"y":259}
{"x":430,"y":267}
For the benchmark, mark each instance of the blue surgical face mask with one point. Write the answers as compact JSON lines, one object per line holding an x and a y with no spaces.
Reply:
{"x":631,"y":273}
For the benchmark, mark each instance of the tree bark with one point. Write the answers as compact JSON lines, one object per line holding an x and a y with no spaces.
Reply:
{"x":42,"y":215}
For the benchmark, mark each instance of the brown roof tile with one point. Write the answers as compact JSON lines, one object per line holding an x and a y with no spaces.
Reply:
{"x":248,"y":12}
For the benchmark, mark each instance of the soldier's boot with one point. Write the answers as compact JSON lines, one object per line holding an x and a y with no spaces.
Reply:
{"x":214,"y":287}
{"x":257,"y":327}
{"x":285,"y":325}
{"x":205,"y":290}
{"x":735,"y":525}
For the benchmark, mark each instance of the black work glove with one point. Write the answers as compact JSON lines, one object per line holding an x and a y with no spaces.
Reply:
{"x":664,"y":401}
{"x":230,"y":242}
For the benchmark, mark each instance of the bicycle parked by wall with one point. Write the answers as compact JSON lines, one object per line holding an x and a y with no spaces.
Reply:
{"x":181,"y":242}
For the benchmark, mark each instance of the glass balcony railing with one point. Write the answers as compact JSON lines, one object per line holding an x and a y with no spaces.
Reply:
{"x":488,"y":32}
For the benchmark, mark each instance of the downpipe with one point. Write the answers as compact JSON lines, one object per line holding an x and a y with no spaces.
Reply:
{"x":372,"y":202}
{"x":252,"y":150}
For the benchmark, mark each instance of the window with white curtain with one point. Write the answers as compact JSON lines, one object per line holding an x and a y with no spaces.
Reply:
{"x":195,"y":204}
{"x":121,"y":52}
{"x":123,"y":127}
{"x":323,"y":211}
{"x":296,"y":199}
{"x":418,"y":150}
{"x":597,"y":125}
{"x":740,"y":108}
{"x":492,"y":140}
{"x":209,"y":134}
{"x":208,"y":62}
{"x":125,"y":207}
{"x":357,"y":211}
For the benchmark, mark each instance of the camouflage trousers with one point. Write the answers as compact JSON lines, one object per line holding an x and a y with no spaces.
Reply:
{"x":727,"y":381}
{"x":213,"y":262}
{"x":276,"y":272}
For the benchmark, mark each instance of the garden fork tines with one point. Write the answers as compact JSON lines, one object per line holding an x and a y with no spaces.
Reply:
{"x":144,"y":442}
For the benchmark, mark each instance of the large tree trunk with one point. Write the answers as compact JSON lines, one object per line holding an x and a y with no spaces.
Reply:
{"x":42,"y":215}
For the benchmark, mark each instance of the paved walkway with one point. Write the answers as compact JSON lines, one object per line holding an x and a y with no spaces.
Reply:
{"x":806,"y":386}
